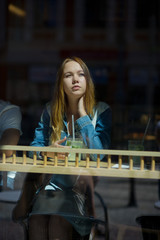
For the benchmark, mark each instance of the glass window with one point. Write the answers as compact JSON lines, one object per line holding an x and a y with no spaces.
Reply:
{"x":145,"y":10}
{"x":95,"y":14}
{"x":45,"y":13}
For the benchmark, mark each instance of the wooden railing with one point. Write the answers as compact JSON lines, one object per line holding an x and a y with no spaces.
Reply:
{"x":119,"y":163}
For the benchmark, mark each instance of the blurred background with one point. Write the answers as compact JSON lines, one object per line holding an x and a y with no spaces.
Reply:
{"x":118,"y":40}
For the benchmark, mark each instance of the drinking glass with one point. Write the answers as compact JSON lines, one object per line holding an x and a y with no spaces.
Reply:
{"x":77,"y":143}
{"x":136,"y":145}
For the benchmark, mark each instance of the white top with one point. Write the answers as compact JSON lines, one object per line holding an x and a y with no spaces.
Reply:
{"x":10,"y":117}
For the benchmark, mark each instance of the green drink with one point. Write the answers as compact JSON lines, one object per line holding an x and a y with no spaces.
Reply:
{"x":77,"y":143}
{"x":136,"y":145}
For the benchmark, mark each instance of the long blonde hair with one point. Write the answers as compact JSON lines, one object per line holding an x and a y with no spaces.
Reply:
{"x":59,"y":102}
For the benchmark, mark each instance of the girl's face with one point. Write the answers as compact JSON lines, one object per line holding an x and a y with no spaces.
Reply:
{"x":74,"y":81}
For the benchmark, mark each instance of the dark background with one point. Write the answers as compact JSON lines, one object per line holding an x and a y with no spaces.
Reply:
{"x":118,"y":40}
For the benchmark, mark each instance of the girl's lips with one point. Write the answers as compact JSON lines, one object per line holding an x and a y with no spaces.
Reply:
{"x":75,"y":87}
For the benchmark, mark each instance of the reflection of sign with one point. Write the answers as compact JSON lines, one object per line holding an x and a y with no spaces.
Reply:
{"x":96,"y":54}
{"x":141,"y":76}
{"x":46,"y":12}
{"x":2,"y":24}
{"x":42,"y":74}
{"x":99,"y":74}
{"x":138,"y":77}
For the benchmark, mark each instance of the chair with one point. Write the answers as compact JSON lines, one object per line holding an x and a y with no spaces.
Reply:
{"x":150,"y":226}
{"x":96,"y":229}
{"x":105,"y":222}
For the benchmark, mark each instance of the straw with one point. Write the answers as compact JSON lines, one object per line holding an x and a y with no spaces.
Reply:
{"x":73,"y":131}
{"x":149,"y":119}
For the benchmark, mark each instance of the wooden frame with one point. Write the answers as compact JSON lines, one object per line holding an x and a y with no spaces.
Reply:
{"x":119,"y":163}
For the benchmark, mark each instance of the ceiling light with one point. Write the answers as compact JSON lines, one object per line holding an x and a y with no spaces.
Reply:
{"x":16,"y":10}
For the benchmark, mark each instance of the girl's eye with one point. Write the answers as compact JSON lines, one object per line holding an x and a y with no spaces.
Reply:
{"x":67,"y":75}
{"x":81,"y":74}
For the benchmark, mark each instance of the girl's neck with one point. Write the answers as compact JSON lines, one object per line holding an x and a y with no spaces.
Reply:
{"x":72,"y":109}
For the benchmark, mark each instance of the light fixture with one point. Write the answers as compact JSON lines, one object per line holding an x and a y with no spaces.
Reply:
{"x":16,"y":10}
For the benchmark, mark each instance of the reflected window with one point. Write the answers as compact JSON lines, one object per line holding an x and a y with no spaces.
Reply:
{"x":16,"y":13}
{"x":45,"y":13}
{"x":145,"y":11}
{"x":95,"y":14}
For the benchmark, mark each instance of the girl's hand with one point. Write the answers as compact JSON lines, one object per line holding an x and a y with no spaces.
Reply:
{"x":57,"y":144}
{"x":81,"y":108}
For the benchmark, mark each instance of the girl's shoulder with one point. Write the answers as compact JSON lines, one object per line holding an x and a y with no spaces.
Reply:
{"x":46,"y":113}
{"x":100,"y":107}
{"x":47,"y":109}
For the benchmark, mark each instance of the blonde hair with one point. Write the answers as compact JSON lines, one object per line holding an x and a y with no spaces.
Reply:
{"x":59,"y":102}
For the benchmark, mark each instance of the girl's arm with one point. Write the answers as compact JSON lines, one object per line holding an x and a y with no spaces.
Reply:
{"x":97,"y":137}
{"x":41,"y":135}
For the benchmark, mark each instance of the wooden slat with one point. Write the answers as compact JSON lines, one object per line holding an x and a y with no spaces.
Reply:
{"x":104,"y":172}
{"x":24,"y":157}
{"x":142,"y":163}
{"x":153,"y":164}
{"x":45,"y":159}
{"x":55,"y":159}
{"x":14,"y":157}
{"x":109,"y":161}
{"x":120,"y":161}
{"x":98,"y":161}
{"x":79,"y":150}
{"x":34,"y":158}
{"x":66,"y":160}
{"x":77,"y":160}
{"x":87,"y":160}
{"x":4,"y":157}
{"x":130,"y":162}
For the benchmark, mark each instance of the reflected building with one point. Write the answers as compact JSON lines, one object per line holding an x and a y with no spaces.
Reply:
{"x":119,"y":40}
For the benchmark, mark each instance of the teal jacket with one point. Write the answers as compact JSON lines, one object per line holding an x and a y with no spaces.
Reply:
{"x":95,"y":130}
{"x":63,"y":194}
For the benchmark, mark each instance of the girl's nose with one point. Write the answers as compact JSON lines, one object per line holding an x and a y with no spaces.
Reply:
{"x":75,"y":79}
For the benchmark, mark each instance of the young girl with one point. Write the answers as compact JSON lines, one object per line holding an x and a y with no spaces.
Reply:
{"x":64,"y":209}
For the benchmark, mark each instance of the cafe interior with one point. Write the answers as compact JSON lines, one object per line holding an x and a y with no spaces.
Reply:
{"x":119,"y":40}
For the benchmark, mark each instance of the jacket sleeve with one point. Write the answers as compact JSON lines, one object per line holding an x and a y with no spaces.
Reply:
{"x":97,"y":137}
{"x":42,"y":132}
